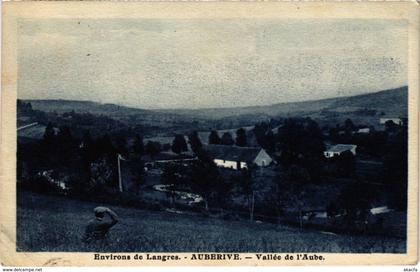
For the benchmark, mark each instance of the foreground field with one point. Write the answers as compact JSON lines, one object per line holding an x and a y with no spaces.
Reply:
{"x":46,"y":223}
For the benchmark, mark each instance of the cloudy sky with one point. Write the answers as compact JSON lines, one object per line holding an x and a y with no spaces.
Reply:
{"x":152,"y":63}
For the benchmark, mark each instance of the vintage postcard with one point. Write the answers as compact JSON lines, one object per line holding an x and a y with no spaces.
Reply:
{"x":209,"y":133}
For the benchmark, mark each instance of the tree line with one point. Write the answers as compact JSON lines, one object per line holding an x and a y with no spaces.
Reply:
{"x":298,"y":145}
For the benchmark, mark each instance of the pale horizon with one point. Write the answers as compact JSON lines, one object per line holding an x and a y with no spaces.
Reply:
{"x":169,"y":109}
{"x":202,"y":64}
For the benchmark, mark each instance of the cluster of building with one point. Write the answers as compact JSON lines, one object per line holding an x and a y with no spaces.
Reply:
{"x":236,"y":158}
{"x":339,"y":149}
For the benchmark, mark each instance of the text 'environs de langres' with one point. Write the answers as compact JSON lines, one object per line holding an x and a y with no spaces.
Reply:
{"x":166,"y":257}
{"x":208,"y":256}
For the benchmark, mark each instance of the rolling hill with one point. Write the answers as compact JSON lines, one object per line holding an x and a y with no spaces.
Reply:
{"x":393,"y":101}
{"x":364,"y":109}
{"x":61,"y":106}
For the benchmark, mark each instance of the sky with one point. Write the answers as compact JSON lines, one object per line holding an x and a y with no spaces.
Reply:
{"x":192,"y":63}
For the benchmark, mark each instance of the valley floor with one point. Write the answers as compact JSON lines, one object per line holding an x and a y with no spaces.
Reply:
{"x":50,"y":223}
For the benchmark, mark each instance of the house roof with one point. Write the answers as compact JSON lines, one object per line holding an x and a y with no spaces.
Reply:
{"x":341,"y":148}
{"x":232,"y":153}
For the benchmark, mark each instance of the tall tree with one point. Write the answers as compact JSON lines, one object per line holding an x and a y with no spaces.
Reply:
{"x":348,"y":125}
{"x":138,"y":145}
{"x":66,"y":149}
{"x":227,"y":139}
{"x":102,"y":173}
{"x":88,"y":155}
{"x":390,"y":126}
{"x":292,"y":189}
{"x":104,"y":147}
{"x":396,"y":168}
{"x":301,"y":143}
{"x":265,"y":136}
{"x":313,"y":149}
{"x":136,"y":166}
{"x":152,"y":148}
{"x":207,"y":181}
{"x":49,"y":134}
{"x":179,"y":144}
{"x":260,"y":129}
{"x":241,"y":137}
{"x":24,"y":107}
{"x":214,"y":138}
{"x":64,"y":134}
{"x":221,"y":190}
{"x":290,"y":139}
{"x":121,"y":144}
{"x":246,"y":183}
{"x":195,"y":142}
{"x":346,"y":164}
{"x":270,"y":142}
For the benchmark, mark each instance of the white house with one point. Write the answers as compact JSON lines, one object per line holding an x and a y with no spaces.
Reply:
{"x":337,"y":150}
{"x":236,"y":157}
{"x":396,"y":121}
{"x":363,"y":130}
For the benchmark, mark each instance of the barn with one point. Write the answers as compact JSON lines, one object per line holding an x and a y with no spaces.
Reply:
{"x":235,"y":157}
{"x":337,"y":150}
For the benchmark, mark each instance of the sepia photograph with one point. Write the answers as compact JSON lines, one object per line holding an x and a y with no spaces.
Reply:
{"x":214,"y":136}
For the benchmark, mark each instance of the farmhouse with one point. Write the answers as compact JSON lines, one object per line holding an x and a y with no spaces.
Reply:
{"x":339,"y":149}
{"x":396,"y":121}
{"x":235,"y":157}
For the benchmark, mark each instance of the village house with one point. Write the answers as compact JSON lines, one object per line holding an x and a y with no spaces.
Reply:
{"x":337,"y":150}
{"x":363,"y":130}
{"x":396,"y":121}
{"x":236,"y":158}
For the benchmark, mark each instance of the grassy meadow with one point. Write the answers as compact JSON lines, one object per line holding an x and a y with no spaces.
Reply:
{"x":56,"y":224}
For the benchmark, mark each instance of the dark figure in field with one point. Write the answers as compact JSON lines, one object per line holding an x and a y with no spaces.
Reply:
{"x":97,"y":229}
